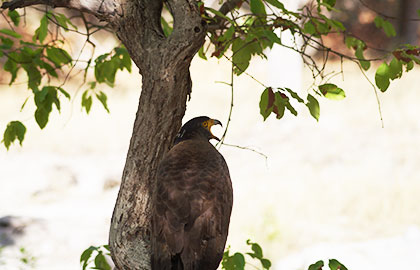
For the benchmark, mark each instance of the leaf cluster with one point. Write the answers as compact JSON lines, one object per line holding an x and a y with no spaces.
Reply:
{"x":95,"y":258}
{"x":237,"y":260}
{"x":45,"y":60}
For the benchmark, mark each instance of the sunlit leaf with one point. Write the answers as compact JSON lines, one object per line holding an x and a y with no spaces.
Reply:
{"x":167,"y":29}
{"x":385,"y":25}
{"x":332,"y":91}
{"x":364,"y":63}
{"x":382,"y":76}
{"x":313,"y":106}
{"x":395,"y":69}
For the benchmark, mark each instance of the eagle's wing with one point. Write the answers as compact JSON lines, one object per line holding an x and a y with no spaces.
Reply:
{"x":192,"y":207}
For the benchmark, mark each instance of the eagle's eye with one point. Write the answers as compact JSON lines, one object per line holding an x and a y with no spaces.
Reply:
{"x":205,"y":124}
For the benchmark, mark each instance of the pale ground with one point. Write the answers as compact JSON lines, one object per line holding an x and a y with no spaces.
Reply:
{"x":341,"y":188}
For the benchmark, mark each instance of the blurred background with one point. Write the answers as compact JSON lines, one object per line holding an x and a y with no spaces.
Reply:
{"x":342,"y":188}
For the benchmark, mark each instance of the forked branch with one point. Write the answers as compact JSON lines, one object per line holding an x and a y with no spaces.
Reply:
{"x":106,"y":10}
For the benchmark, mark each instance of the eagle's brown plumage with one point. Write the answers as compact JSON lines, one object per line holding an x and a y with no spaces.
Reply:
{"x":192,"y":202}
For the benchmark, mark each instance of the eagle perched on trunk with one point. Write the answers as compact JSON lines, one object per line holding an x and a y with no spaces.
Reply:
{"x":192,"y":202}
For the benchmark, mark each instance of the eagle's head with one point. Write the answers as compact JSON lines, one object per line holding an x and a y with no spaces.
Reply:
{"x":197,"y":128}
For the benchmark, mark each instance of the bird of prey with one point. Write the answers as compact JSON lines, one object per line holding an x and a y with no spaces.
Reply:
{"x":192,"y":202}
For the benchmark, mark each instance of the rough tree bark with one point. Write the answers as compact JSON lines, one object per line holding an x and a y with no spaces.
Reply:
{"x":164,"y":65}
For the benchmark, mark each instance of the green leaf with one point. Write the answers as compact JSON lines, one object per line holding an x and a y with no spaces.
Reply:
{"x":382,"y":76}
{"x":50,"y":70}
{"x":58,"y":56}
{"x":220,"y":14}
{"x":276,"y":3}
{"x":34,"y":76}
{"x":385,"y":25}
{"x":313,"y":106}
{"x":329,"y":2}
{"x":336,"y":265}
{"x":359,"y":54}
{"x":239,"y":260}
{"x":87,"y":101}
{"x":321,"y":28}
{"x":101,"y":263}
{"x":294,"y":95}
{"x":167,"y":29}
{"x":7,"y":43}
{"x":241,"y":55}
{"x":125,"y":58}
{"x":14,"y":130}
{"x":43,"y":101}
{"x":316,"y":266}
{"x":409,"y":66}
{"x":271,"y":36}
{"x":103,"y":99}
{"x":227,"y":35}
{"x":332,"y":91}
{"x":291,"y":109}
{"x":418,"y":12}
{"x":257,"y":250}
{"x":257,"y":7}
{"x":14,"y":16}
{"x":395,"y":69}
{"x":201,"y":53}
{"x":279,"y":106}
{"x":64,"y":92}
{"x":12,"y":68}
{"x":84,"y":258}
{"x":10,"y":33}
{"x":309,"y":28}
{"x":350,"y":42}
{"x":266,"y":102}
{"x":265,"y":263}
{"x":61,"y":20}
{"x":42,"y":31}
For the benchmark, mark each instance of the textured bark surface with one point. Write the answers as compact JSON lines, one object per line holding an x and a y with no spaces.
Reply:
{"x":164,"y":65}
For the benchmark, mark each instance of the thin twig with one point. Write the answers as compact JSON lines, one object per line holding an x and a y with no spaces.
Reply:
{"x":376,"y":93}
{"x":247,"y":148}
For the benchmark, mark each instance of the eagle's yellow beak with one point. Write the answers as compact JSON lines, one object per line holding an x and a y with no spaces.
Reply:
{"x":209,"y":123}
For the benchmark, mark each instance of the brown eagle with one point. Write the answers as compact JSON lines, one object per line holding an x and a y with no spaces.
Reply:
{"x":192,"y":202}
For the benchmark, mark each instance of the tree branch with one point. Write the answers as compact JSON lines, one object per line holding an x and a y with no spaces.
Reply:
{"x":103,"y":9}
{"x":229,"y":5}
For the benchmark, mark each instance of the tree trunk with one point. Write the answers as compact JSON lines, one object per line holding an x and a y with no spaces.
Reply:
{"x":407,"y":28}
{"x":166,"y":83}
